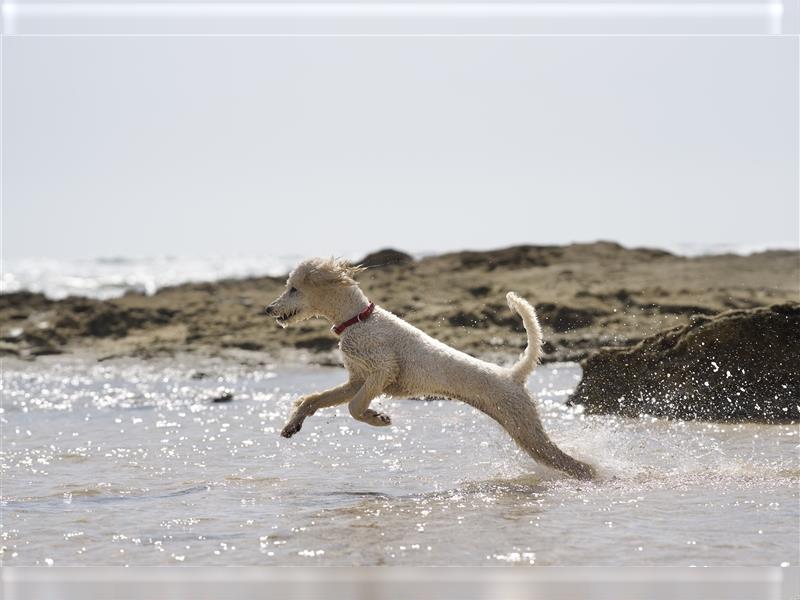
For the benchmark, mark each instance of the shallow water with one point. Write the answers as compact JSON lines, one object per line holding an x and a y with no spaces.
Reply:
{"x":129,"y":462}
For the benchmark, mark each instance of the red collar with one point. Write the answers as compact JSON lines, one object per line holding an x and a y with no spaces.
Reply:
{"x":362,"y":316}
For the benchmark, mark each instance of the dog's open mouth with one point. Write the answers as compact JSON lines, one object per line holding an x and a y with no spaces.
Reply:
{"x":283,"y":320}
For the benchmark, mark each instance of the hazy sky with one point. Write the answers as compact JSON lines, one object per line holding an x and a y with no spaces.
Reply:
{"x":259,"y":146}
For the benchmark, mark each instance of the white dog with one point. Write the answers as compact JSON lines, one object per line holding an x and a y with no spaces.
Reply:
{"x":385,"y":355}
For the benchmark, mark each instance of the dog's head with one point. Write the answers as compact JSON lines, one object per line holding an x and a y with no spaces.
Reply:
{"x":311,"y":288}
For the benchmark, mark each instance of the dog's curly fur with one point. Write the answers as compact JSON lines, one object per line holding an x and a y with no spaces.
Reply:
{"x":386,"y":355}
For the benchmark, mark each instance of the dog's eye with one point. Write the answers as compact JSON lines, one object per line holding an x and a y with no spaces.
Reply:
{"x":293,"y":290}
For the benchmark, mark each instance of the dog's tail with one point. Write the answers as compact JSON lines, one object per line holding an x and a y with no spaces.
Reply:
{"x":530,"y":358}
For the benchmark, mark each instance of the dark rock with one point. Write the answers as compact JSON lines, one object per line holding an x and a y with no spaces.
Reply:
{"x":500,"y":315}
{"x":43,"y":336}
{"x":676,"y":309}
{"x":684,"y":309}
{"x":81,"y":305}
{"x":385,"y":258}
{"x":516,"y":257}
{"x":107,"y":323}
{"x":480,"y":291}
{"x":741,"y":365}
{"x":561,"y":318}
{"x":248,"y":345}
{"x":113,"y":321}
{"x":42,"y":341}
{"x":30,"y":301}
{"x":67,"y":322}
{"x":624,"y":296}
{"x":222,"y":398}
{"x":45,"y":350}
{"x":467,"y":319}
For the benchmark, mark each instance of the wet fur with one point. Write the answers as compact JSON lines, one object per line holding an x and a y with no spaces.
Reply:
{"x":386,"y":355}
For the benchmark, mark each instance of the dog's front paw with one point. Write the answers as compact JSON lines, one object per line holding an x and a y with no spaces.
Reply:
{"x":377,"y":419}
{"x":290,"y":429}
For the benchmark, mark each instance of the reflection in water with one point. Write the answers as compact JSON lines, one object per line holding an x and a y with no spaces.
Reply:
{"x":127,"y":462}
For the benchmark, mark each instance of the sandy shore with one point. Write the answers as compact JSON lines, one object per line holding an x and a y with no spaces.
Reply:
{"x":587,"y":296}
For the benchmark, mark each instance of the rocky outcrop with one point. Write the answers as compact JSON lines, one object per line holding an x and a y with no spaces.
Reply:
{"x":527,"y":256}
{"x":588,"y":296}
{"x":35,"y":325}
{"x":385,"y":258}
{"x":740,"y":365}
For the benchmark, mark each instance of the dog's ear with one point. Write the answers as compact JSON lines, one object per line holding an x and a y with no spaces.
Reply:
{"x":345,"y":272}
{"x":328,"y":271}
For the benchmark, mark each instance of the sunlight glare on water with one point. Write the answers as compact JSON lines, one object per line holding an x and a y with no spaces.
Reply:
{"x":130,"y":462}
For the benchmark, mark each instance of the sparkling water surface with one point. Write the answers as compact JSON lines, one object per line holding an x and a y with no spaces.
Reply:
{"x":105,"y":278}
{"x":127,"y":462}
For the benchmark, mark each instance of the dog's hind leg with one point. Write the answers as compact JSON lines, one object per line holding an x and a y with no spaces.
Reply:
{"x":308,"y":405}
{"x":359,"y":405}
{"x":519,"y":417}
{"x":543,"y":450}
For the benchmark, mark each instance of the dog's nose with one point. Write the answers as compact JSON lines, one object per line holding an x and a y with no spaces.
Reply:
{"x":269,"y":310}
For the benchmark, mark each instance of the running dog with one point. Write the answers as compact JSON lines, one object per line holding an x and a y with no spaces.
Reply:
{"x":385,"y":355}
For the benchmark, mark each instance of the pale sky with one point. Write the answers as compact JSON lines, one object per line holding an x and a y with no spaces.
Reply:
{"x":134,"y":146}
